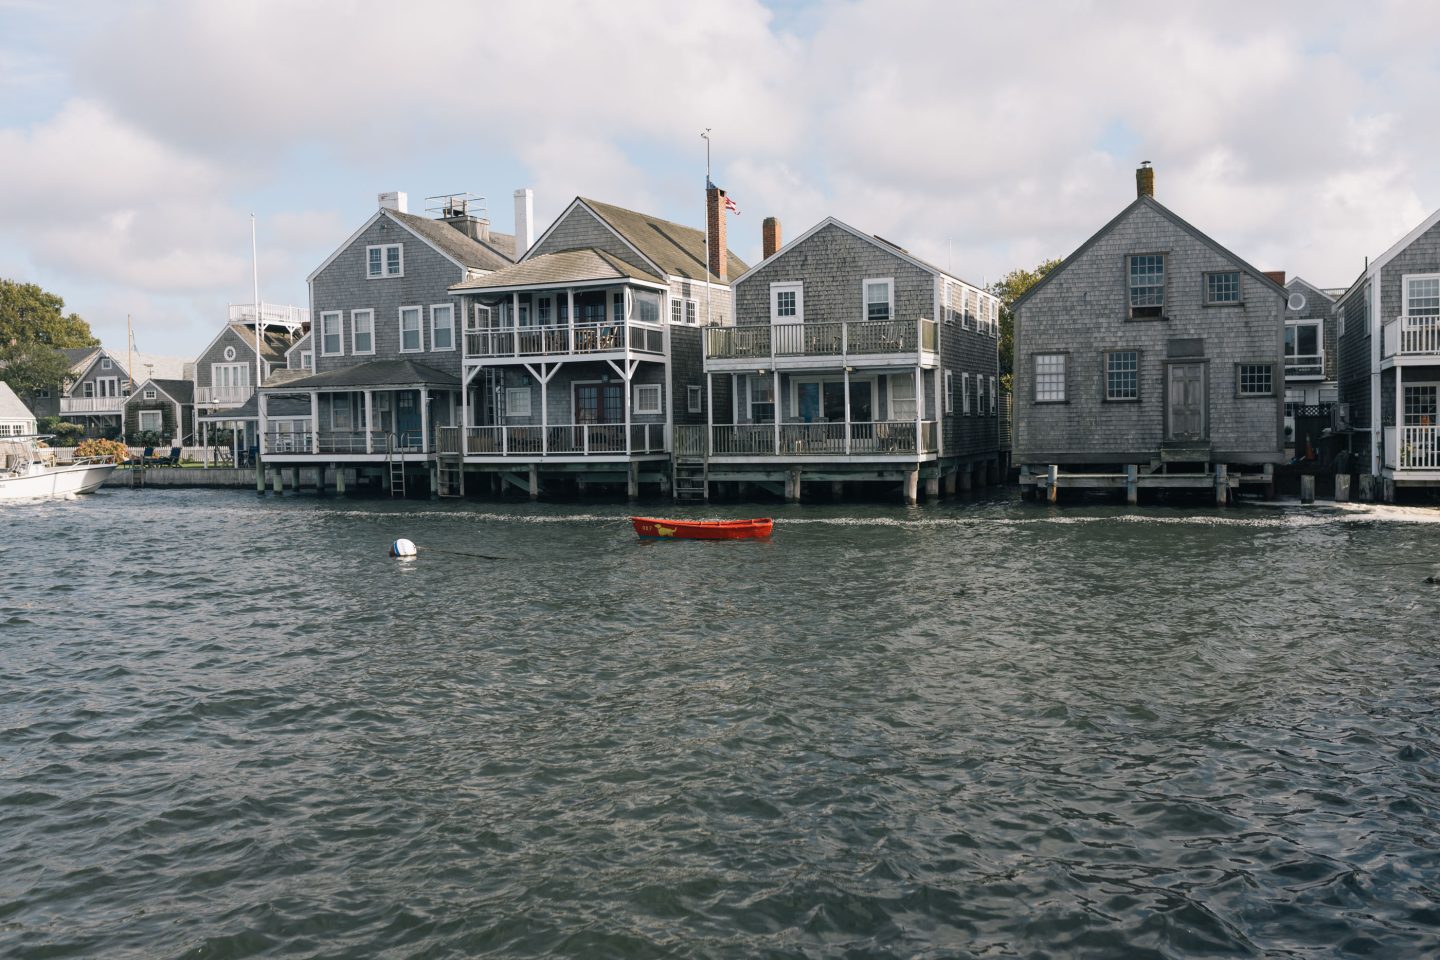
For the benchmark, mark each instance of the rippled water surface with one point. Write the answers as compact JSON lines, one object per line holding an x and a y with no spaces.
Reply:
{"x":231,"y":727}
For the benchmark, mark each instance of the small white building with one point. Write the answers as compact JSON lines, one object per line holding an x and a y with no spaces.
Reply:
{"x":15,"y":418}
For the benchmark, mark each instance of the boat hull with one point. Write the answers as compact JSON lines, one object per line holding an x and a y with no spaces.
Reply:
{"x":703,"y":529}
{"x":59,"y":481}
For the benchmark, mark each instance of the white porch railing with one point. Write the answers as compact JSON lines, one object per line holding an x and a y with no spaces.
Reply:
{"x":871,"y":438}
{"x":823,"y":339}
{"x":1407,"y":336}
{"x":1305,"y":365}
{"x":224,"y":396}
{"x":1412,"y":448}
{"x":92,"y":405}
{"x":344,"y":441}
{"x":565,"y":439}
{"x":563,"y":339}
{"x":270,"y":313}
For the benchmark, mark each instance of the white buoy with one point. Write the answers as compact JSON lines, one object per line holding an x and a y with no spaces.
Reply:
{"x":402,"y":548}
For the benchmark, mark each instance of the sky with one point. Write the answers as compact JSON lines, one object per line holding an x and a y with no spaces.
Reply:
{"x":138,"y":138}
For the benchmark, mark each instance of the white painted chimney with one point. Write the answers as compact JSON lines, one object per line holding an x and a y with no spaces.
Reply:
{"x":524,"y":221}
{"x":395,"y":200}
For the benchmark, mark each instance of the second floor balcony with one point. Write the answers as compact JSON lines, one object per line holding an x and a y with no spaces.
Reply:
{"x":1304,"y":366}
{"x":229,"y":395}
{"x":1408,"y":336}
{"x":563,"y":339}
{"x":841,"y":341}
{"x":92,"y":406}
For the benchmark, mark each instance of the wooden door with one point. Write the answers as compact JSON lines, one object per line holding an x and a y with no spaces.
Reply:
{"x":1186,"y":407}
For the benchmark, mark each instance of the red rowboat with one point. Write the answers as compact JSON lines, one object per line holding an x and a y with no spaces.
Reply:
{"x":704,"y":529}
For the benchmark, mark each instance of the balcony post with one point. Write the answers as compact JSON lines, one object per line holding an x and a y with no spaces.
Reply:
{"x":315,"y":421}
{"x":919,"y":409}
{"x":515,"y":324}
{"x":625,"y":383}
{"x":845,"y":342}
{"x":709,"y":411}
{"x":369,"y":421}
{"x":775,"y":396}
{"x":544,"y":412}
{"x":570,"y":315}
{"x":848,"y":430}
{"x":424,"y":420}
{"x":1399,"y":413}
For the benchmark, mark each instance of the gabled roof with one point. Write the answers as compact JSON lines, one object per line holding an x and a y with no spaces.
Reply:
{"x":567,"y":266}
{"x":1310,"y":286}
{"x":879,"y":243}
{"x":1399,"y":246}
{"x":276,"y":408}
{"x":450,"y":243}
{"x":78,"y":355}
{"x":11,"y":408}
{"x":678,"y":250}
{"x":1168,"y":214}
{"x":294,"y":346}
{"x":82,"y":368}
{"x":180,"y":391}
{"x":376,"y":373}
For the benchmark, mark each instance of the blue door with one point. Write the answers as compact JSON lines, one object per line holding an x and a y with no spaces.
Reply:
{"x":407,"y":417}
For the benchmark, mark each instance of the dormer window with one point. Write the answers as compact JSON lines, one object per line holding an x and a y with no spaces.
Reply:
{"x":1147,"y":285}
{"x":385,"y":260}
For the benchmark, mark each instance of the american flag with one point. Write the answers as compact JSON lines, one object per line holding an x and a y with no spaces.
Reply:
{"x":731,"y":206}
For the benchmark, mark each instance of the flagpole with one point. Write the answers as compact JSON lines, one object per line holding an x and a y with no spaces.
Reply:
{"x":255,"y":274}
{"x":129,"y":371}
{"x":709,"y":308}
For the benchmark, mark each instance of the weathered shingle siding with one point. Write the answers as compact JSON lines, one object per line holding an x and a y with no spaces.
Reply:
{"x":295,"y":360}
{"x":687,"y":369}
{"x":968,"y":350}
{"x":1318,"y":307}
{"x":712,"y":304}
{"x":1422,"y":255}
{"x":170,"y":425}
{"x":215,"y":353}
{"x":578,"y":229}
{"x":96,"y":372}
{"x":832,"y":263}
{"x":1082,"y":312}
{"x":1355,"y":357}
{"x":560,"y":398}
{"x":343,"y":286}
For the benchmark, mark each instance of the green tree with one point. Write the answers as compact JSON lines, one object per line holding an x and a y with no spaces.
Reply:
{"x":33,"y":329}
{"x":1010,"y":288}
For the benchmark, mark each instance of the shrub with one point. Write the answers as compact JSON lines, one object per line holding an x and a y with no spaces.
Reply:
{"x":66,"y":434}
{"x":103,"y":448}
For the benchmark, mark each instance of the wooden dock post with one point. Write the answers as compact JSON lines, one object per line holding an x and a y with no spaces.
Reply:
{"x":1222,"y":484}
{"x":632,"y":481}
{"x":1388,"y":489}
{"x":1027,"y":489}
{"x":1132,"y":484}
{"x":952,"y":480}
{"x":837,"y":490}
{"x":912,"y":483}
{"x":1367,"y":487}
{"x":792,"y":485}
{"x":534,"y":481}
{"x":339,"y":481}
{"x":277,"y":477}
{"x":966,"y":475}
{"x":1269,"y":473}
{"x":1342,"y":487}
{"x":932,"y":488}
{"x":1307,"y":488}
{"x":1052,"y":478}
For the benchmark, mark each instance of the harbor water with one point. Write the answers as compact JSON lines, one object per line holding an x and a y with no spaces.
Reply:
{"x":231,"y":727}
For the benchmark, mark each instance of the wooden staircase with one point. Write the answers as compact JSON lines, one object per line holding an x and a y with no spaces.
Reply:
{"x":691,"y":476}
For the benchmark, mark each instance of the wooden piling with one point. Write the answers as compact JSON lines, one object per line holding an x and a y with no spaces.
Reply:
{"x":1052,"y":476}
{"x":534,"y":482}
{"x":1367,"y":487}
{"x":932,"y":488}
{"x":1132,"y":484}
{"x":912,"y":483}
{"x":1222,"y":485}
{"x":1307,"y":488}
{"x":277,"y":477}
{"x":1342,"y":487}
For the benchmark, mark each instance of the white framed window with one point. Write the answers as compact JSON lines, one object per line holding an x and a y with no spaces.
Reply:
{"x":340,"y":418}
{"x":151,"y":420}
{"x":647,"y":398}
{"x":647,"y":306}
{"x":442,"y":327}
{"x":1050,"y":377}
{"x":879,"y":297}
{"x":902,"y":396}
{"x":412,"y":337}
{"x":1304,"y":350}
{"x":684,"y":310}
{"x":994,"y":321}
{"x":787,"y":302}
{"x":1255,"y":379}
{"x":992,"y":396}
{"x":1147,"y":285}
{"x":362,"y":331}
{"x":1422,"y":295}
{"x":543,"y":311}
{"x":517,"y":401}
{"x":384,"y":260}
{"x":949,"y":392}
{"x":979,"y":395}
{"x":1122,"y":375}
{"x":964,"y":394}
{"x":1422,"y":405}
{"x":761,"y":398}
{"x":330,"y":324}
{"x":695,"y":399}
{"x":87,"y":389}
{"x":104,"y":363}
{"x":307,"y":359}
{"x":150,"y":395}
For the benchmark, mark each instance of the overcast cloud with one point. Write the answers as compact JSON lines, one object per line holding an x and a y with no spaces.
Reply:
{"x":136,"y":139}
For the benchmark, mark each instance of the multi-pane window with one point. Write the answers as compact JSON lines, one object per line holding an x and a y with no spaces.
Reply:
{"x":762,"y":399}
{"x":362,"y":331}
{"x":1420,"y":409}
{"x":330,"y":334}
{"x":1050,"y":378}
{"x":647,"y":306}
{"x":694,"y":399}
{"x":1147,"y":284}
{"x":785,"y":303}
{"x":410,"y":335}
{"x":647,"y":398}
{"x":965,"y":394}
{"x":979,"y":394}
{"x":691,"y":312}
{"x":1222,"y":287}
{"x":617,"y":307}
{"x":992,"y":396}
{"x":542,"y":311}
{"x":1122,"y":375}
{"x":902,"y":396}
{"x":949,"y":392}
{"x":677,"y":310}
{"x":384,"y":261}
{"x":877,"y":300}
{"x":1422,"y":296}
{"x":517,"y":401}
{"x":442,"y":326}
{"x":1257,"y":380}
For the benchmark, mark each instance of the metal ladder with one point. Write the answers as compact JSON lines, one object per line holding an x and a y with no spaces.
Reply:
{"x":396,"y":465}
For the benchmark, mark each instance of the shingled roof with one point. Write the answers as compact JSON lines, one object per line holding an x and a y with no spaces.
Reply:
{"x":567,"y":266}
{"x":677,"y":249}
{"x":474,"y":254}
{"x":273,"y":343}
{"x":181,"y":391}
{"x":376,"y":373}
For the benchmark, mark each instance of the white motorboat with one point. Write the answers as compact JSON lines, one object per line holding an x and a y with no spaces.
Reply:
{"x":29,"y":471}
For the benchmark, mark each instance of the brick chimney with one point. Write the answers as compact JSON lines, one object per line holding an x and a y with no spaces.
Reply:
{"x":715,"y":229}
{"x":1277,"y":275}
{"x":1145,"y":180}
{"x":769,"y":237}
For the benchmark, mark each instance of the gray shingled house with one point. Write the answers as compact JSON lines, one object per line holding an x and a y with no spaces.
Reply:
{"x":382,"y":381}
{"x":95,"y":398}
{"x":163,"y":407}
{"x":850,"y":360}
{"x":583,"y":357}
{"x":225,"y":371}
{"x":1150,"y":357}
{"x":1389,"y":330}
